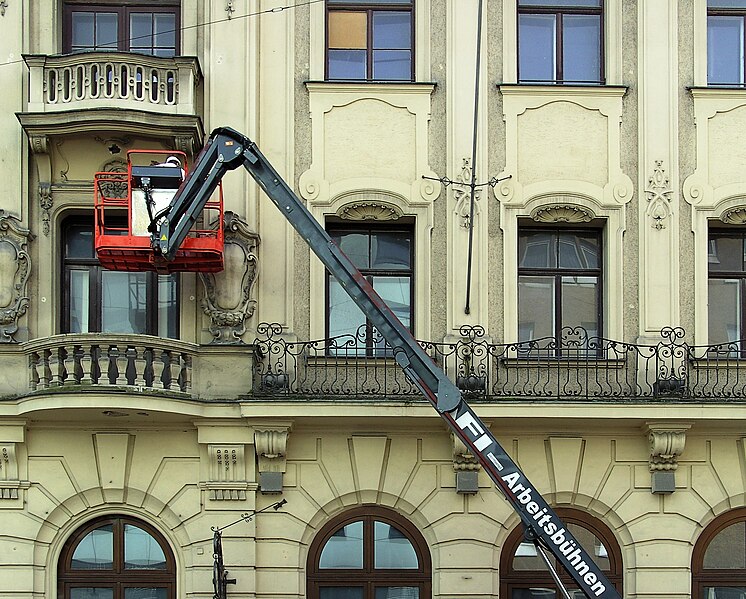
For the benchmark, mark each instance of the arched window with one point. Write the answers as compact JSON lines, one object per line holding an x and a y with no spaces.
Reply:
{"x":116,"y":557}
{"x":719,"y":558}
{"x":369,"y":553}
{"x":524,"y":575}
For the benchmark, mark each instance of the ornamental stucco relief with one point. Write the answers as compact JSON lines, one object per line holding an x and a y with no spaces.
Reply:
{"x":15,"y":267}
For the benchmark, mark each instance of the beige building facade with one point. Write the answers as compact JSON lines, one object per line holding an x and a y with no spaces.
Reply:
{"x":588,"y":298}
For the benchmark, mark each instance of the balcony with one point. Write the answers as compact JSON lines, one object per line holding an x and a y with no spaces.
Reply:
{"x":576,"y":367}
{"x":135,"y":93}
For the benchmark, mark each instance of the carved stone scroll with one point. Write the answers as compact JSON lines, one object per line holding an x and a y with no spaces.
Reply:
{"x":270,"y":443}
{"x":228,"y":294}
{"x":15,"y":267}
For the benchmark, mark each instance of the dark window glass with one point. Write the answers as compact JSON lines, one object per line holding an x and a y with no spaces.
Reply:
{"x":369,"y":553}
{"x":559,"y":282}
{"x":524,"y":574}
{"x":560,"y":41}
{"x":145,"y":27}
{"x":726,"y":285}
{"x":719,"y":558}
{"x":385,"y":257}
{"x":116,"y":558}
{"x":370,"y":40}
{"x":99,"y":300}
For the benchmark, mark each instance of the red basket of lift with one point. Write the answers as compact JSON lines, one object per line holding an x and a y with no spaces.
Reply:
{"x":122,"y":217}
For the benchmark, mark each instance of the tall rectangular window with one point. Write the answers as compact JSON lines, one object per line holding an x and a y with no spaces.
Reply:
{"x":385,"y":257}
{"x":726,"y":285}
{"x":560,"y":41}
{"x":141,"y":26}
{"x":370,"y":40}
{"x":725,"y":42}
{"x":99,"y":300}
{"x":559,"y":282}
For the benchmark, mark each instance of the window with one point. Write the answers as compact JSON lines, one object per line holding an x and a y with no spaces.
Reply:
{"x":726,"y":285}
{"x":100,"y":300}
{"x":369,"y":553}
{"x":144,"y":27}
{"x":370,"y":40}
{"x":559,"y":282}
{"x":385,"y":257}
{"x":719,"y":559}
{"x":524,"y":574}
{"x":116,"y":558}
{"x":725,"y":41}
{"x":560,"y":41}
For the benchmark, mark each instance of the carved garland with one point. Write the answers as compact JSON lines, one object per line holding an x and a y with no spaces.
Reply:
{"x":15,"y":267}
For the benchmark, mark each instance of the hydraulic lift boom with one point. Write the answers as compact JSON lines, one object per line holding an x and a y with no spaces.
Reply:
{"x":226,"y":150}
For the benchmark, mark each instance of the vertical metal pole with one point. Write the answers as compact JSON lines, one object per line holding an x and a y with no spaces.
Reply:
{"x":473,"y":183}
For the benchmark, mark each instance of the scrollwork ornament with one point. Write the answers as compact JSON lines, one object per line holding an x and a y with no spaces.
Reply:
{"x":462,"y":195}
{"x":228,"y":294}
{"x":658,"y":194}
{"x":15,"y":267}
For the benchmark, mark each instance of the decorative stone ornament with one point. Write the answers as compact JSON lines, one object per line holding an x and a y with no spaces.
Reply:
{"x":379,"y":211}
{"x":667,"y":440}
{"x":466,"y":467}
{"x":562,"y":213}
{"x":658,"y":194}
{"x":228,"y":299}
{"x":270,"y":443}
{"x":15,"y":267}
{"x":227,"y":473}
{"x":9,"y":483}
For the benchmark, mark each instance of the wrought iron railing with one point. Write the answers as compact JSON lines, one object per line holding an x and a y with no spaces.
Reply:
{"x":576,"y":366}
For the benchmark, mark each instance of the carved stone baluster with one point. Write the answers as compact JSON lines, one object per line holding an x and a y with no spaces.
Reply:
{"x":119,"y":354}
{"x":140,"y":365}
{"x":159,"y":365}
{"x":44,"y":372}
{"x":56,"y":366}
{"x":33,"y":373}
{"x":186,"y":373}
{"x":87,"y":360}
{"x":70,"y":355}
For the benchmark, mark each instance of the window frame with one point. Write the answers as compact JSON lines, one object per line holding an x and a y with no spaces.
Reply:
{"x":334,"y":228}
{"x":95,"y":286}
{"x":369,"y":8}
{"x":123,"y":9}
{"x":511,"y":579}
{"x":726,"y":12}
{"x":369,"y":577}
{"x":557,"y":273}
{"x":118,"y":578}
{"x":701,"y":576}
{"x":559,"y":11}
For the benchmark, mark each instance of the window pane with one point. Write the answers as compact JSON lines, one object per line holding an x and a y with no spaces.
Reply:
{"x":82,"y":30}
{"x":578,"y":251}
{"x":124,"y":302}
{"x":726,"y":3}
{"x":724,"y":310}
{"x":167,"y":307}
{"x":106,"y":31}
{"x":555,"y":3}
{"x":395,"y":291}
{"x":537,"y":45}
{"x":580,"y":303}
{"x":355,"y":246}
{"x":141,"y":31}
{"x":91,"y":593}
{"x":164,"y":29}
{"x":535,"y":307}
{"x":726,"y":254}
{"x":79,"y":301}
{"x":724,"y":49}
{"x":533,"y":593}
{"x":397,"y":593}
{"x":724,"y":592}
{"x":95,"y":552}
{"x":340,"y":593}
{"x":392,"y":30}
{"x":390,"y":251}
{"x":347,"y":64}
{"x":142,"y":551}
{"x":145,"y":593}
{"x":344,"y":315}
{"x":393,"y":550}
{"x":592,"y":545}
{"x":527,"y":558}
{"x":79,"y":241}
{"x":348,"y":30}
{"x":728,"y":549}
{"x":392,"y":65}
{"x":344,"y":549}
{"x":537,"y":250}
{"x":397,"y":2}
{"x":581,"y":48}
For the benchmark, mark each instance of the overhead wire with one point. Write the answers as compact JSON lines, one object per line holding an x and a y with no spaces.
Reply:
{"x":276,"y":9}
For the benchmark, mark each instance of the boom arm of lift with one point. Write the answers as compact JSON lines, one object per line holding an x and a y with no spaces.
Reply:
{"x":226,"y":150}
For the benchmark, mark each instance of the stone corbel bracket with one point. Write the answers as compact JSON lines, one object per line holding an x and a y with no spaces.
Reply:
{"x":40,"y":150}
{"x":228,"y":297}
{"x":667,"y":441}
{"x":466,"y":467}
{"x":270,"y":443}
{"x":227,"y":472}
{"x":15,"y":267}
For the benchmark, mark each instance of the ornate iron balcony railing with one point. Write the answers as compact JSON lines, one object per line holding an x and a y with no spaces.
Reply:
{"x":576,"y":366}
